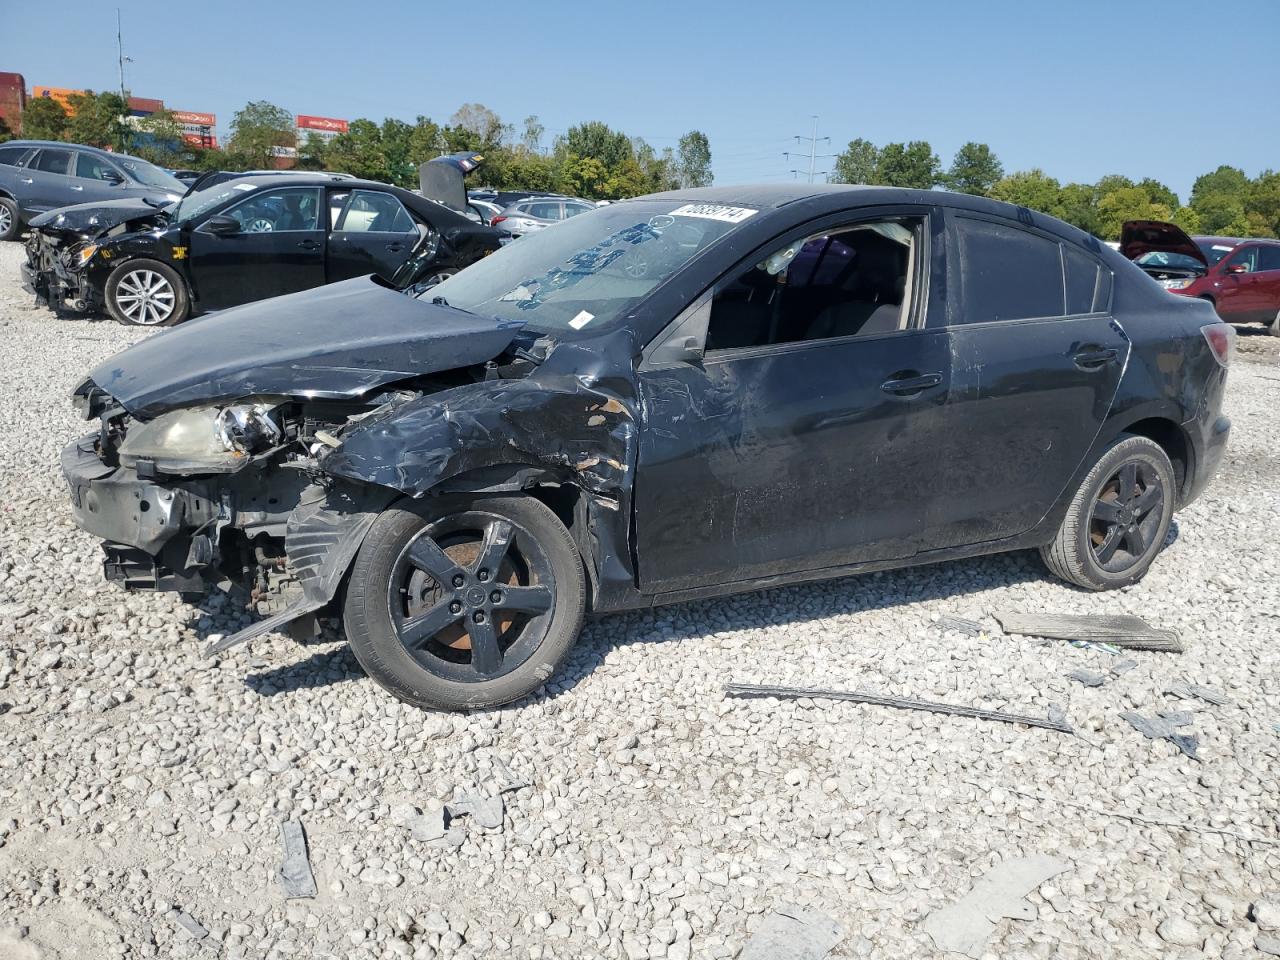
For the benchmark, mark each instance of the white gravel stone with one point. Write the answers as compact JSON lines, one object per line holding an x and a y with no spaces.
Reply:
{"x":657,"y":819}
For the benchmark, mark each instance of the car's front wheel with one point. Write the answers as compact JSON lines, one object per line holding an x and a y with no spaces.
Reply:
{"x":1118,"y":519}
{"x":464,"y":602}
{"x":1274,"y":328}
{"x":10,"y":221}
{"x":146,"y":293}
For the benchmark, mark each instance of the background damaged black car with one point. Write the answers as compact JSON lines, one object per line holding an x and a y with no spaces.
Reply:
{"x":680,"y":396}
{"x":240,"y":240}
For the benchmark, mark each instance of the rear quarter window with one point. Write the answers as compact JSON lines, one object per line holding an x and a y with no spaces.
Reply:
{"x":1007,"y":273}
{"x":12,"y":156}
{"x":1085,"y":286}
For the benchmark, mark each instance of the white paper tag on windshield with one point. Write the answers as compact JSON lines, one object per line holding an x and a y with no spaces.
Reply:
{"x":244,"y":186}
{"x":714,"y":211}
{"x":581,"y":320}
{"x":1219,"y":246}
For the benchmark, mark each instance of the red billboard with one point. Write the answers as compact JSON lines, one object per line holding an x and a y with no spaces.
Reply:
{"x":327,"y":124}
{"x":204,"y":140}
{"x":192,"y":118}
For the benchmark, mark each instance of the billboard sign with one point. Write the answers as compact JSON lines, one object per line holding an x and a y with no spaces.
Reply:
{"x":192,"y":118}
{"x":61,"y":94}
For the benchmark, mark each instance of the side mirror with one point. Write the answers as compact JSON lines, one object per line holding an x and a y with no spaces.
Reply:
{"x":112,"y":177}
{"x":1237,"y":268}
{"x":222,"y":225}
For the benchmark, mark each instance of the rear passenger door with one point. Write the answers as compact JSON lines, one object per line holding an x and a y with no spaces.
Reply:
{"x":1269,"y":271}
{"x":47,"y":181}
{"x":370,"y":232}
{"x":1036,"y":362}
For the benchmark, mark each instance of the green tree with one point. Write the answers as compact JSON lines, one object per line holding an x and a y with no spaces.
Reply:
{"x":583,"y":176}
{"x":1128,"y":203}
{"x":974,"y":169}
{"x":531,"y":138}
{"x":360,"y":151}
{"x":1225,"y":181}
{"x":1157,"y":192}
{"x":5,"y":132}
{"x":425,"y":141}
{"x":1187,"y":219}
{"x":1033,"y":189}
{"x":857,"y":163}
{"x":1263,"y":200}
{"x":693,"y":166}
{"x":1221,"y":214}
{"x":313,"y":153}
{"x":158,"y":138}
{"x":911,"y":164}
{"x":256,"y":129}
{"x":599,"y":141}
{"x":97,"y":119}
{"x":44,"y":119}
{"x":1078,"y":205}
{"x":485,"y":126}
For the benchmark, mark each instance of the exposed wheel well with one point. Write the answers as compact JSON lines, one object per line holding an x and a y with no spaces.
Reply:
{"x":1171,"y":439}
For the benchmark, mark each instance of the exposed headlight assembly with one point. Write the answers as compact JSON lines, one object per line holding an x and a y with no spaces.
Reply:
{"x":1179,"y":284}
{"x":204,"y":439}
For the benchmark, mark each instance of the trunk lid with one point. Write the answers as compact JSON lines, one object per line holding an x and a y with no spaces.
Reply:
{"x":1147,"y":236}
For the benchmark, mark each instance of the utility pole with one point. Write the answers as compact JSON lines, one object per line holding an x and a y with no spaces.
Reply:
{"x":122,"y":59}
{"x":814,"y":156}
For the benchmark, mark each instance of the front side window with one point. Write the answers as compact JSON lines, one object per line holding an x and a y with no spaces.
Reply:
{"x":368,"y":211}
{"x":1269,"y":258}
{"x":278,"y":211}
{"x":1007,"y":273}
{"x":1246,"y":258}
{"x":52,"y":161}
{"x":852,"y":281}
{"x":89,"y":167}
{"x":587,"y":273}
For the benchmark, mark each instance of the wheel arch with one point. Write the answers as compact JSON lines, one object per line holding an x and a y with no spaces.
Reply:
{"x":1172,"y":439}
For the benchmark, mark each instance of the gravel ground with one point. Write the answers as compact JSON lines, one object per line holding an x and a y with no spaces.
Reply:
{"x":657,"y":819}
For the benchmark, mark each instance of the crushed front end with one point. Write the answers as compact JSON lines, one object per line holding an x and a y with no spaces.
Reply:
{"x":55,"y":271}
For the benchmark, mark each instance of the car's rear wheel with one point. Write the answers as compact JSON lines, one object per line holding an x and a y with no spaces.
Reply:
{"x":1118,"y":519}
{"x":464,"y":602}
{"x":1274,"y":328}
{"x":10,"y":221}
{"x":146,"y":293}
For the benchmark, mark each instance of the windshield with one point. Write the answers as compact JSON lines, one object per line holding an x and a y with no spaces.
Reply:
{"x":149,"y":175}
{"x":202,"y":201}
{"x":588,"y":271}
{"x":1163,"y":258}
{"x":1214,"y":250}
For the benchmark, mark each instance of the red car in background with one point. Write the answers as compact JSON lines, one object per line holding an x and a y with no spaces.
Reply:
{"x":1240,"y":277}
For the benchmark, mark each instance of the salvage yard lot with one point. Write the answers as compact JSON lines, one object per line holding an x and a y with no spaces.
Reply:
{"x":656,"y":818}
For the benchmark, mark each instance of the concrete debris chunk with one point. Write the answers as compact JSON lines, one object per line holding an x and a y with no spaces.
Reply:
{"x":969,"y":628}
{"x":900,"y":703}
{"x":295,"y":874}
{"x":1155,"y":728}
{"x":1194,"y":691}
{"x":189,"y":924}
{"x":1087,"y":677}
{"x":966,"y":925}
{"x":1130,"y":633}
{"x":1177,"y":718}
{"x":1057,"y":714}
{"x":793,"y":933}
{"x":485,"y":811}
{"x":429,"y":826}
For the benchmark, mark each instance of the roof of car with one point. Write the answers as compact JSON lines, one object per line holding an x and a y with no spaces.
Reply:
{"x":1234,"y":241}
{"x":63,"y":145}
{"x":759,"y":194}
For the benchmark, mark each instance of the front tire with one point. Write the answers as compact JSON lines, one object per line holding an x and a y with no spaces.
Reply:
{"x":146,"y":293}
{"x":1118,"y":519}
{"x":1274,"y":328}
{"x":464,"y":602}
{"x":10,"y":220}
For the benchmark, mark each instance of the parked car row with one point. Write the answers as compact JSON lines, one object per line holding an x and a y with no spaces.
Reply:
{"x":685,"y":395}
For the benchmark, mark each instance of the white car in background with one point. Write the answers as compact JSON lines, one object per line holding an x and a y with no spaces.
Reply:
{"x":537,"y":213}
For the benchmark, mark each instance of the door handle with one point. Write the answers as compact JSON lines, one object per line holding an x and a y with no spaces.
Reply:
{"x":1092,"y":359}
{"x":74,"y":187}
{"x":309,"y":244}
{"x":910,"y":386}
{"x":26,"y":179}
{"x":395,"y":247}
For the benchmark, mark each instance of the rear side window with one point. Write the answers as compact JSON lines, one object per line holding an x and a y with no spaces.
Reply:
{"x":1083,"y":280}
{"x":544,"y":211}
{"x":1007,"y":273}
{"x":1269,"y":258}
{"x":90,"y":167}
{"x":52,"y":161}
{"x":370,"y":212}
{"x":12,"y":156}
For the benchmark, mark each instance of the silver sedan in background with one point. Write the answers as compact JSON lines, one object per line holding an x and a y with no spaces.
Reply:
{"x":537,"y":213}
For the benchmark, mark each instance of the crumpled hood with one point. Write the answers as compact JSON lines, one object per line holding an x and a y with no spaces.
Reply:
{"x":333,"y":342}
{"x":97,"y":218}
{"x":1143,"y":236}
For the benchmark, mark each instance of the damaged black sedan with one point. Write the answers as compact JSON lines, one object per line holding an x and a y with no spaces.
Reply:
{"x":239,"y":240}
{"x":681,"y":396}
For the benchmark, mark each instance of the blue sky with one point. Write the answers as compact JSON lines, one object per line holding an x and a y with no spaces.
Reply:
{"x":1080,"y":89}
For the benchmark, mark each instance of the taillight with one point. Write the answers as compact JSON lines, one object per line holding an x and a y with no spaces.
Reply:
{"x":1221,"y":338}
{"x":496,"y":220}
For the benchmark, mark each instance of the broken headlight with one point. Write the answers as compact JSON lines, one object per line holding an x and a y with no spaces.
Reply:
{"x":204,"y":439}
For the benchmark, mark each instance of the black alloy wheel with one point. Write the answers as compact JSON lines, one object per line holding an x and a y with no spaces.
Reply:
{"x":471,"y":597}
{"x":1126,"y":516}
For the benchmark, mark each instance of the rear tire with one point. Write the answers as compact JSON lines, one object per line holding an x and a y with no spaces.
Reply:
{"x":1274,"y":329}
{"x":146,"y":293}
{"x":476,"y":632}
{"x":10,"y":220}
{"x":1118,"y":519}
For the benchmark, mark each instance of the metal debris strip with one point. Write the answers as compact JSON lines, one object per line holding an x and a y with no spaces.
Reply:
{"x":1178,"y":718}
{"x":900,"y":703}
{"x":295,"y":871}
{"x":1158,"y":728}
{"x":793,"y":933}
{"x":1127,"y":632}
{"x":970,"y":628}
{"x":188,"y":923}
{"x":1194,"y":691}
{"x":966,"y":925}
{"x":1087,"y":677}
